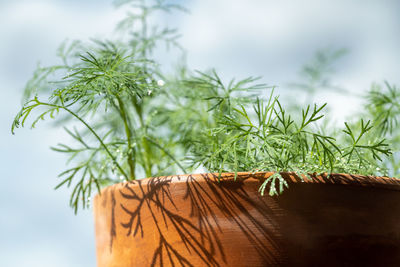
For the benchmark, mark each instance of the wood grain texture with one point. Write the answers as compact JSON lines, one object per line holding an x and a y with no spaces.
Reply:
{"x":196,"y":220}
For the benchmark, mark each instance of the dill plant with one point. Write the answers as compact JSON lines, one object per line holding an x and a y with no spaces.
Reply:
{"x":112,"y":92}
{"x":270,"y":139}
{"x":131,"y":120}
{"x":382,"y":102}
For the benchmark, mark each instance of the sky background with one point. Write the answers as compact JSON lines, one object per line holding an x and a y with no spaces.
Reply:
{"x":272,"y":39}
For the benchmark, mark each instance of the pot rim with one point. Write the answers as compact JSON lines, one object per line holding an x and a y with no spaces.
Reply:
{"x":383,"y":182}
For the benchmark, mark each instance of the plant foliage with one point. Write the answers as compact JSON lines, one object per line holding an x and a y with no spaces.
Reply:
{"x":130,"y":120}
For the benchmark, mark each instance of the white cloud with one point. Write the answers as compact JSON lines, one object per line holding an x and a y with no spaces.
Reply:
{"x":59,"y":19}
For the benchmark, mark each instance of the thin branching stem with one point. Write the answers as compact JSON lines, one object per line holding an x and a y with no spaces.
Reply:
{"x":92,"y":131}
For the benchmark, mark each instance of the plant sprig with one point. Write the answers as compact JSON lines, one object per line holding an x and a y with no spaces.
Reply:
{"x":109,"y":90}
{"x":282,"y":143}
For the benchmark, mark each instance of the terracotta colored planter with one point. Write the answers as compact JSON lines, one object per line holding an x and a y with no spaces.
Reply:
{"x":194,"y":220}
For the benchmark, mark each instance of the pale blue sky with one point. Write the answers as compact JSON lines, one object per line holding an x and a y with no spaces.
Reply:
{"x":253,"y":37}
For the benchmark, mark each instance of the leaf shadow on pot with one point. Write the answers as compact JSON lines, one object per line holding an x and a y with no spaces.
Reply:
{"x":196,"y":220}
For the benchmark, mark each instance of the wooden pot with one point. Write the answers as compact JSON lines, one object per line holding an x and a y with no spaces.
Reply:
{"x":196,"y":220}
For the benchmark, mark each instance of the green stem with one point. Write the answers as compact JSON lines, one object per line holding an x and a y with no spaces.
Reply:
{"x":131,"y":161}
{"x":92,"y":131}
{"x":147,"y":160}
{"x":144,"y":29}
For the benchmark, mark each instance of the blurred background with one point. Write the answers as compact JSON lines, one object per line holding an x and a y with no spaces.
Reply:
{"x":272,"y":39}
